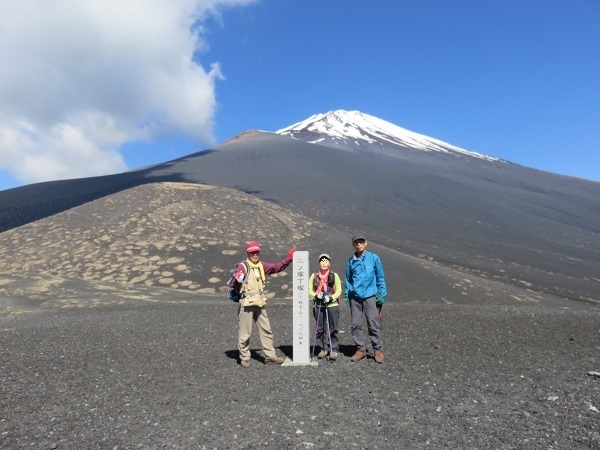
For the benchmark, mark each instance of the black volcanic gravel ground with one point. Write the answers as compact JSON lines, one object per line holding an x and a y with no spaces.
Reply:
{"x":165,"y":375}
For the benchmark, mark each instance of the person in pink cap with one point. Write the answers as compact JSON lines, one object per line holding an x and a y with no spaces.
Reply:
{"x":253,"y":303}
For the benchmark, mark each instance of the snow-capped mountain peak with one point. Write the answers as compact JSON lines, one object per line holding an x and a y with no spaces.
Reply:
{"x":349,"y":129}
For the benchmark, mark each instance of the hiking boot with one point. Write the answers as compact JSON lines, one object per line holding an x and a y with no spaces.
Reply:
{"x":274,"y":360}
{"x":360,"y":354}
{"x":322,"y":354}
{"x":333,"y":356}
{"x":378,"y":356}
{"x":245,"y":363}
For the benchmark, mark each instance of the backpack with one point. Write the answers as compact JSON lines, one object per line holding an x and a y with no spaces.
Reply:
{"x":236,"y":288}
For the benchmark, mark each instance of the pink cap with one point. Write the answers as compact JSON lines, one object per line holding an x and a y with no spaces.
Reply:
{"x":252,"y":247}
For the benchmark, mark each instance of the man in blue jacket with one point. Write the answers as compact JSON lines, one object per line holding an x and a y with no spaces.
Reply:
{"x":365,"y":293}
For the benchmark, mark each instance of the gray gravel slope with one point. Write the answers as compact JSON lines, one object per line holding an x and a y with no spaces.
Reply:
{"x":164,"y":374}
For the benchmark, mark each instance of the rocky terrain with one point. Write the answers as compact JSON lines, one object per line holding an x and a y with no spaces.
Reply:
{"x":90,"y":364}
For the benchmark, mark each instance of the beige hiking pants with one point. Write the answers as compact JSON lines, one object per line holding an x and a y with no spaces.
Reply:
{"x":258,"y":314}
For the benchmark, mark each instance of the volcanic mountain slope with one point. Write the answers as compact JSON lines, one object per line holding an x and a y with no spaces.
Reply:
{"x":173,"y":235}
{"x":183,"y":236}
{"x":463,"y":212}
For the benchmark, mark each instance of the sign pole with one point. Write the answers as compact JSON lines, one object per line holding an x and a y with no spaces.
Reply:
{"x":301,"y":313}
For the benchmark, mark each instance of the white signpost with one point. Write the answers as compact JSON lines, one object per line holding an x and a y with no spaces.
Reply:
{"x":301,"y":313}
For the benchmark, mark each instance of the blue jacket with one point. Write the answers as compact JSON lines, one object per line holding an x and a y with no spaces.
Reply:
{"x":365,"y":277}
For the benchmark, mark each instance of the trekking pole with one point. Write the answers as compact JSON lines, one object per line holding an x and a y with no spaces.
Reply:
{"x":380,"y":307}
{"x":316,"y":331}
{"x":328,"y":331}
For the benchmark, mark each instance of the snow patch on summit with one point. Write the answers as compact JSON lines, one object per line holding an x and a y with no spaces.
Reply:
{"x":357,"y":127}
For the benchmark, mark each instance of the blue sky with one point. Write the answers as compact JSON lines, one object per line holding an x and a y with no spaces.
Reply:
{"x":145,"y":82}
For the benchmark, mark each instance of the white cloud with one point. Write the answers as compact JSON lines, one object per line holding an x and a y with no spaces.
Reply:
{"x":81,"y":78}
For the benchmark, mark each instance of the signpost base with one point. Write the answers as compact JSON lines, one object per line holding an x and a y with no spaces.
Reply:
{"x":289,"y":363}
